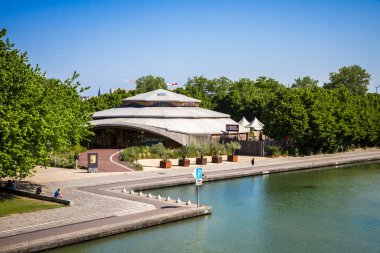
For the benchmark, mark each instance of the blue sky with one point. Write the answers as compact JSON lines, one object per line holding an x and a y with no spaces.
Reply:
{"x":108,"y":42}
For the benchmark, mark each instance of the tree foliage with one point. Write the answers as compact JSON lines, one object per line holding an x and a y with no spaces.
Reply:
{"x":37,"y":115}
{"x":210,"y":92}
{"x":354,"y":78}
{"x":244,"y":97}
{"x":305,"y":118}
{"x":323,"y":120}
{"x":304,"y":82}
{"x":149,"y":83}
{"x":107,"y":101}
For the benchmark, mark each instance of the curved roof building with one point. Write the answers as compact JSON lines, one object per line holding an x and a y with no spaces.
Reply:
{"x":159,"y":116}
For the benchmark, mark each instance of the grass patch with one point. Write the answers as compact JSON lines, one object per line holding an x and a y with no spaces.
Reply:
{"x":11,"y":204}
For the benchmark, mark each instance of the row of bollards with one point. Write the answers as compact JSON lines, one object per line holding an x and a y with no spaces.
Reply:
{"x":157,"y":197}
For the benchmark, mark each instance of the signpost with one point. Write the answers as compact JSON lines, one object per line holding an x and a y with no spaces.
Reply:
{"x":232,"y":128}
{"x":197,"y":174}
{"x":92,"y":159}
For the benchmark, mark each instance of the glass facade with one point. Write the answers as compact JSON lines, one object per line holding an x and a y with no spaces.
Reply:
{"x":122,"y":138}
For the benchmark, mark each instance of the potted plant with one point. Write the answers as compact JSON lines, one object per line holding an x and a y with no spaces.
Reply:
{"x":164,"y":154}
{"x":215,"y":150}
{"x":184,"y":152}
{"x":231,"y":148}
{"x":202,"y":151}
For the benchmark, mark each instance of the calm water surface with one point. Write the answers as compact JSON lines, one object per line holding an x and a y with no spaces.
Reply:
{"x":329,"y":210}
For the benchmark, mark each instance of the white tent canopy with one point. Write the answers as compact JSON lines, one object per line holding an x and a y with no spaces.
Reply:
{"x":256,"y":125}
{"x":243,"y":122}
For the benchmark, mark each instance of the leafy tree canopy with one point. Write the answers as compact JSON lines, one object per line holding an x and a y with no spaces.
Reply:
{"x":149,"y":83}
{"x":304,"y":82}
{"x":38,"y":116}
{"x":268,"y":83}
{"x":107,"y":101}
{"x":354,"y":78}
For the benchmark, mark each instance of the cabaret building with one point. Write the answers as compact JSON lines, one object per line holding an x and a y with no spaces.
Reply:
{"x":160,"y":116}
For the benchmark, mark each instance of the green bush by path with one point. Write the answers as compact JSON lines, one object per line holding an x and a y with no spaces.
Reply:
{"x":66,"y":159}
{"x":273,"y":151}
{"x":10,"y":204}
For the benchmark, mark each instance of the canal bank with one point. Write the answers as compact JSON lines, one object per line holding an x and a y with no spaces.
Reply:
{"x":110,"y":187}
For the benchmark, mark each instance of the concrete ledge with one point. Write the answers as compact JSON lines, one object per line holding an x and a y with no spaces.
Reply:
{"x":90,"y":234}
{"x":35,"y":196}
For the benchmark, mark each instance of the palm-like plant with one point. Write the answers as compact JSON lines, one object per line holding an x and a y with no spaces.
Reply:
{"x":232,"y":147}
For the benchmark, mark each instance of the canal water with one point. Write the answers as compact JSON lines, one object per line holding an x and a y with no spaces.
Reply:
{"x":327,"y":210}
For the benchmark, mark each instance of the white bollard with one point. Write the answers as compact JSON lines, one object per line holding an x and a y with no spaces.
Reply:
{"x":124,"y":190}
{"x":131,"y":192}
{"x":158,"y":196}
{"x":188,"y":203}
{"x":149,"y":195}
{"x":140,"y":193}
{"x":178,"y":201}
{"x":167,"y":198}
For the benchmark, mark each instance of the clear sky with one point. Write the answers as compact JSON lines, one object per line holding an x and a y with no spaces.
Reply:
{"x":108,"y":42}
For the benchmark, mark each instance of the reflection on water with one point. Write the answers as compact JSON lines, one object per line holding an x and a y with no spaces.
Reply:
{"x":329,"y":210}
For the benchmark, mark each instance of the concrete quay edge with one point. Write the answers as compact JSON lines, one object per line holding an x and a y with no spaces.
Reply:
{"x":90,"y":234}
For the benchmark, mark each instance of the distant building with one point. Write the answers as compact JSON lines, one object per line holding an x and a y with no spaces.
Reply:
{"x":84,"y":98}
{"x":159,"y":116}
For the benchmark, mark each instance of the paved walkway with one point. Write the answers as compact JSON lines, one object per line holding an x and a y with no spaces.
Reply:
{"x":108,"y":160}
{"x":99,"y":201}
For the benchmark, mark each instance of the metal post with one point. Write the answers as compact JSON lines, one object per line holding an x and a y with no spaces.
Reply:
{"x":197,"y":196}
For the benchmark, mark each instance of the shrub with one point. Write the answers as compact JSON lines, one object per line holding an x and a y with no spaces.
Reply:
{"x":162,"y":152}
{"x":61,"y":162}
{"x":215,"y":148}
{"x":308,"y":151}
{"x":293,"y":151}
{"x":201,"y":150}
{"x":66,"y":159}
{"x":273,"y":151}
{"x":231,"y":147}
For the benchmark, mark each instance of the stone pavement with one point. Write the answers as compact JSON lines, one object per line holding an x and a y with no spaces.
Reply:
{"x":108,"y":160}
{"x":98,"y":196}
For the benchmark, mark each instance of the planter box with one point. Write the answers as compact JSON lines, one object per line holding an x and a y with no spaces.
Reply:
{"x":232,"y":158}
{"x":165,"y":165}
{"x":201,"y":161}
{"x":184,"y":163}
{"x":216,"y":159}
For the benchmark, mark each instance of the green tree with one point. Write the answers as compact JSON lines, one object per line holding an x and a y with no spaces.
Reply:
{"x":149,"y":83}
{"x":198,"y":87}
{"x":210,"y":92}
{"x":354,"y":78}
{"x":268,"y":83}
{"x":286,"y":116}
{"x":244,"y":99}
{"x":107,"y":101}
{"x":37,"y":115}
{"x":304,"y":82}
